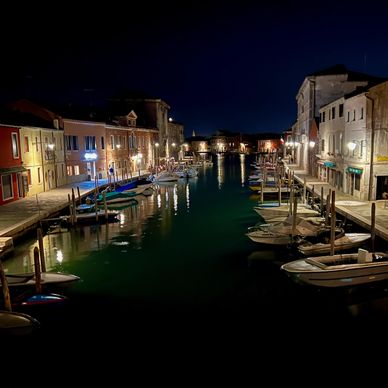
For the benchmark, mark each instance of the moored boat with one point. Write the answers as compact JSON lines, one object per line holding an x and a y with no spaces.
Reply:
{"x":12,"y":323}
{"x":339,"y":270}
{"x":345,"y":242}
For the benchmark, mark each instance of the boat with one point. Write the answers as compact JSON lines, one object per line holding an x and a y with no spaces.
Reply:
{"x":12,"y":323}
{"x":91,"y":217}
{"x":281,"y":233}
{"x":342,"y":243}
{"x":28,"y":299}
{"x":47,"y":278}
{"x":339,"y":270}
{"x":165,"y":176}
{"x":268,"y":211}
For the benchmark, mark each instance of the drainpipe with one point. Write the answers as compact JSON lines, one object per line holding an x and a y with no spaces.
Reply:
{"x":372,"y":150}
{"x":43,"y":159}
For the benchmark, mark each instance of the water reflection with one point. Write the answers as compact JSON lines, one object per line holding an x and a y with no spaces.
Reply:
{"x":187,"y":197}
{"x":220,"y":170}
{"x":242,"y":169}
{"x":128,"y":232}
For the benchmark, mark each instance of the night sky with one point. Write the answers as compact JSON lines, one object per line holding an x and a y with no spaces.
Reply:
{"x":219,"y":65}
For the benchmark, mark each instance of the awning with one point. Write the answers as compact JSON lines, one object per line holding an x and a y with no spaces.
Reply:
{"x":354,"y":170}
{"x":329,"y":164}
{"x":10,"y":170}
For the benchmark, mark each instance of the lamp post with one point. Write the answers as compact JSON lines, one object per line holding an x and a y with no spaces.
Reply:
{"x":138,"y":161}
{"x":157,"y":154}
{"x":51,"y":147}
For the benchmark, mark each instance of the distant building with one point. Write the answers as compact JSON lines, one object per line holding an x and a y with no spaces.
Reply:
{"x":176,"y":135}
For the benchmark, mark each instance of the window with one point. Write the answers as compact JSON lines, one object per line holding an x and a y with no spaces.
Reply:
{"x":341,"y":110}
{"x":6,"y":182}
{"x":323,"y":117}
{"x":102,"y":142}
{"x":333,"y":113}
{"x":15,"y":145}
{"x":26,"y":144}
{"x":76,"y":170}
{"x":357,"y":182}
{"x":71,"y":143}
{"x":362,"y":148}
{"x":68,"y":143}
{"x":354,"y":115}
{"x":29,"y":177}
{"x":69,"y":170}
{"x":322,"y":145}
{"x":75,"y":143}
{"x":39,"y":176}
{"x":90,"y":143}
{"x":362,"y":114}
{"x":112,"y":142}
{"x":36,"y":144}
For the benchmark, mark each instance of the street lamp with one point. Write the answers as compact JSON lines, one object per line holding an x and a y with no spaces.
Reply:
{"x":352,"y":145}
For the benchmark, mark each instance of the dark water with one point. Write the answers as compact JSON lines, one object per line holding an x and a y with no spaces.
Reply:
{"x":177,"y":275}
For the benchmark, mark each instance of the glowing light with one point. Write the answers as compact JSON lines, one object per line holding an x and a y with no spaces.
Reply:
{"x":90,"y":156}
{"x":312,"y":144}
{"x":352,"y":145}
{"x":59,"y":256}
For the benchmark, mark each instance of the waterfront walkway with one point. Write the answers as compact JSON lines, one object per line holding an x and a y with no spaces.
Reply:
{"x":355,"y":210}
{"x":19,"y":216}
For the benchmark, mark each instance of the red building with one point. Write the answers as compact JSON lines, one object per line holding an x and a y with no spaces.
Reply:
{"x":12,"y":179}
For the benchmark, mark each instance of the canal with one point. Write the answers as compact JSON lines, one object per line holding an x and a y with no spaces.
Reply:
{"x":177,"y":270}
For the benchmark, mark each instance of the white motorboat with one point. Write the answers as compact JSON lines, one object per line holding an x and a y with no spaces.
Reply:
{"x":281,"y":233}
{"x":165,"y":176}
{"x":47,"y":278}
{"x":339,"y":270}
{"x":275,"y":210}
{"x":345,"y":242}
{"x":12,"y":323}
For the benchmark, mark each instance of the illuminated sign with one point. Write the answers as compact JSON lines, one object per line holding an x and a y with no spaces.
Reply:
{"x":329,"y":164}
{"x":90,"y":156}
{"x":353,"y":170}
{"x":381,"y":158}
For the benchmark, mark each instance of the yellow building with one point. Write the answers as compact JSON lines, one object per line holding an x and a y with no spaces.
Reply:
{"x":43,"y":158}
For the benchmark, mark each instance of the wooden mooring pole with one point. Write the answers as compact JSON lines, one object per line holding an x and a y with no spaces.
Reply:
{"x":4,"y":286}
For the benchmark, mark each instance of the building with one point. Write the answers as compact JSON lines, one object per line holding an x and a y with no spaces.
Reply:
{"x":13,"y":177}
{"x":319,"y":89}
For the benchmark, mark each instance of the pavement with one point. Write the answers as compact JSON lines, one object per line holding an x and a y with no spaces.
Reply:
{"x":19,"y":216}
{"x":355,"y":210}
